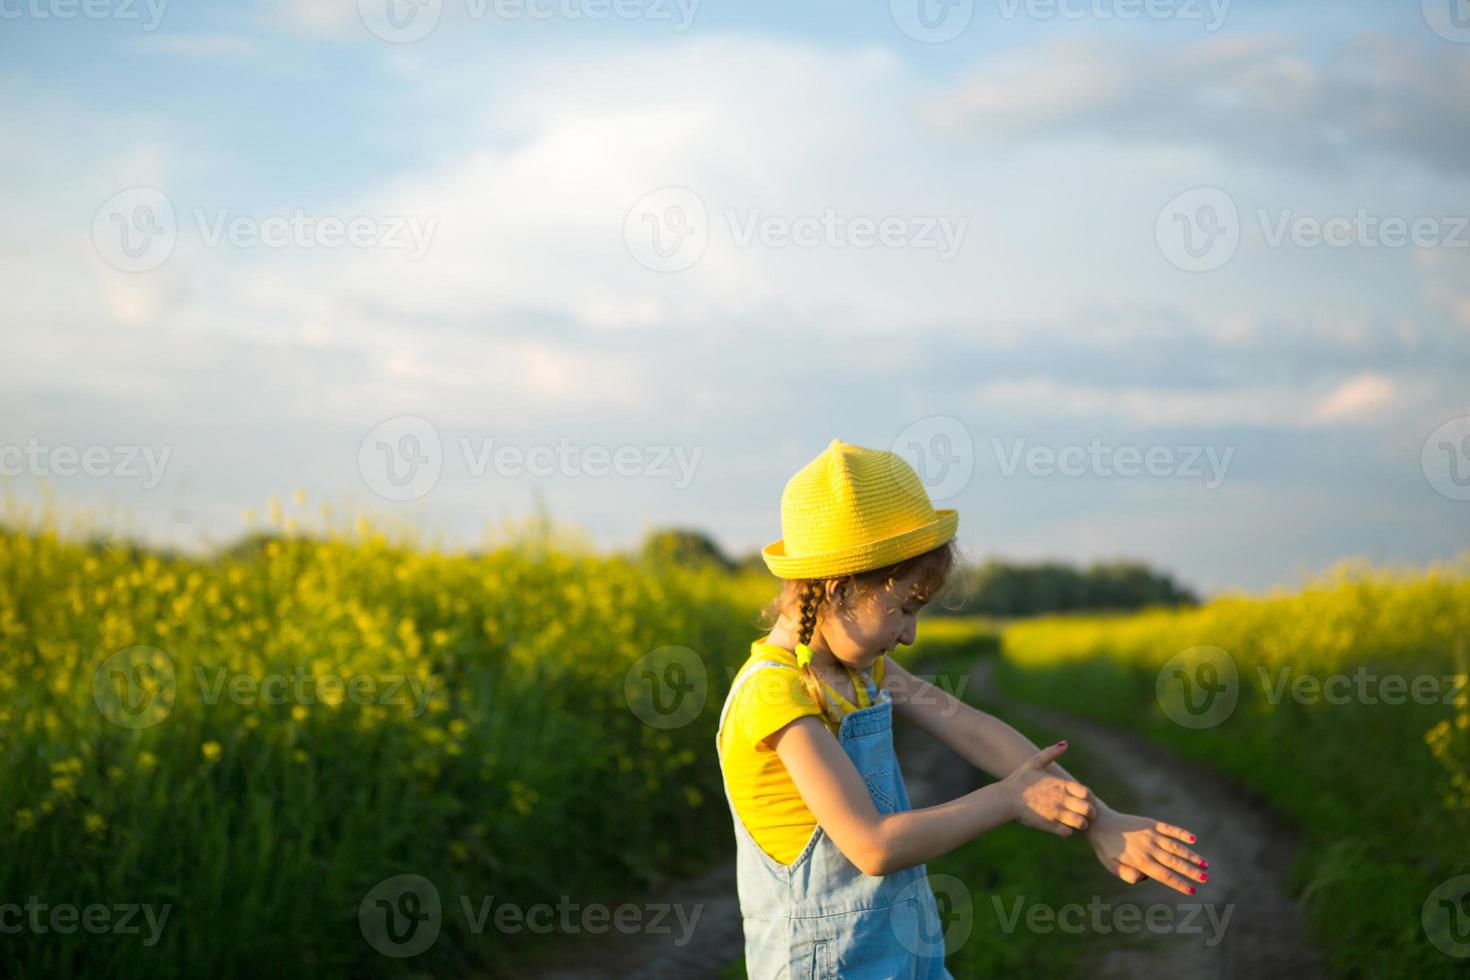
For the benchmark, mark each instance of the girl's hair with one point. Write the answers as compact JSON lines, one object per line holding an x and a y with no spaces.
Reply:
{"x":807,"y":598}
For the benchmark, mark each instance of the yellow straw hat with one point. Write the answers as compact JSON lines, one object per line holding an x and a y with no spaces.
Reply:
{"x":854,"y":509}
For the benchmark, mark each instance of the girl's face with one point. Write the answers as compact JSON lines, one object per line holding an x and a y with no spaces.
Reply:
{"x":872,"y":625}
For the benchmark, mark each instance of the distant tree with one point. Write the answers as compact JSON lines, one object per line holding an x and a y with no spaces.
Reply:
{"x":684,"y":546}
{"x":1001,"y":588}
{"x":751,"y":563}
{"x":135,"y":549}
{"x":1123,"y":584}
{"x":248,"y":546}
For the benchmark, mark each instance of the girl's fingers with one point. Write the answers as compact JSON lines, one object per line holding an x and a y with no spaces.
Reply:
{"x":1159,"y":873}
{"x":1076,"y":788}
{"x":1172,"y":831}
{"x":1080,"y":806}
{"x":1174,"y":847}
{"x":1180,"y":865}
{"x":1131,"y":875}
{"x":1071,"y":819}
{"x":1060,"y":829}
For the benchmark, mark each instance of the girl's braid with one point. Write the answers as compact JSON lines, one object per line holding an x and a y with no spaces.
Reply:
{"x":812,"y":594}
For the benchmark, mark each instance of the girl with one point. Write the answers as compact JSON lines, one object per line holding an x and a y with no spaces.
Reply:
{"x":830,"y":856}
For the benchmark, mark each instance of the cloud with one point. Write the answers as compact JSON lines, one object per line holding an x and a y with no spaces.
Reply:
{"x":319,"y":18}
{"x":1257,"y":96}
{"x":1444,"y":283}
{"x":528,"y":298}
{"x":1362,"y":398}
{"x":532,"y":221}
{"x":1356,"y":398}
{"x":529,"y":317}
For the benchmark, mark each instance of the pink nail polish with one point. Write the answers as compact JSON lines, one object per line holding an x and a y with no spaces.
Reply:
{"x":1191,"y":838}
{"x":1191,"y":889}
{"x":1204,"y":864}
{"x":1204,"y":877}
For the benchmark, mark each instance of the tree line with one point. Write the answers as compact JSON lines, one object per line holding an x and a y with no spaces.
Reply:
{"x":994,"y":587}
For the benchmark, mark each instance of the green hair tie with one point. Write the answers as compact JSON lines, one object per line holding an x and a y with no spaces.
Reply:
{"x":803,"y":654}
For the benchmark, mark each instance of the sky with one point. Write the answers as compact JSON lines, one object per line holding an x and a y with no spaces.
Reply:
{"x":1175,"y":281}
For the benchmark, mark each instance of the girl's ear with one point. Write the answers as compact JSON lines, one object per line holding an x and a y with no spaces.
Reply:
{"x":839,"y":590}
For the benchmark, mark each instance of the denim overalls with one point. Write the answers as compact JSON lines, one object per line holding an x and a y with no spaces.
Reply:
{"x":820,"y":917}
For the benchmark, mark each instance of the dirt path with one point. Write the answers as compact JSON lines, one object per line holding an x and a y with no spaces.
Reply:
{"x":702,"y":950}
{"x":1249,"y":854}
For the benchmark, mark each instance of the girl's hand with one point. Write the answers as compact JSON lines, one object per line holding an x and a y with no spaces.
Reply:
{"x":1135,"y":848}
{"x":1046,"y":802}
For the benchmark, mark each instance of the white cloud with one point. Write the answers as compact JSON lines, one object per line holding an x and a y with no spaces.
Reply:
{"x":315,"y":17}
{"x":1277,"y":406}
{"x":1360,"y":397}
{"x":528,"y":313}
{"x":1260,"y":96}
{"x":529,"y":305}
{"x":1444,"y":277}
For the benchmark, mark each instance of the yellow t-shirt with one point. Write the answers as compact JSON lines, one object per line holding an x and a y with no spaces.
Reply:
{"x":765,"y":798}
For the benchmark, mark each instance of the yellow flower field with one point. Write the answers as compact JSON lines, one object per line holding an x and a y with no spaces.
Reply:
{"x":259,"y":738}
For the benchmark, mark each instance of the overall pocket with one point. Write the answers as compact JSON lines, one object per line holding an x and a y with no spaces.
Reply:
{"x":869,"y":944}
{"x":818,"y":965}
{"x":882,"y":788}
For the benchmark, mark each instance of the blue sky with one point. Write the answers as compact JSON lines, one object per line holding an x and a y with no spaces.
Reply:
{"x":1064,"y":147}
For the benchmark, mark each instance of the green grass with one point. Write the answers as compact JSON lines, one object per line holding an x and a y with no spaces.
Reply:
{"x":1379,"y":812}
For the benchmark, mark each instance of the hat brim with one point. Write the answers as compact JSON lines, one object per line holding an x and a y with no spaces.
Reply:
{"x":866,"y":556}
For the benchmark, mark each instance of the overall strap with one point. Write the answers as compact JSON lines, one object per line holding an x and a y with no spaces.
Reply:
{"x":730,"y":696}
{"x":864,"y":691}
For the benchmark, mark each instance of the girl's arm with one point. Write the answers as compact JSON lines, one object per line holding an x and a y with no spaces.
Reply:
{"x":1130,"y":846}
{"x":880,"y":844}
{"x":983,"y":740}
